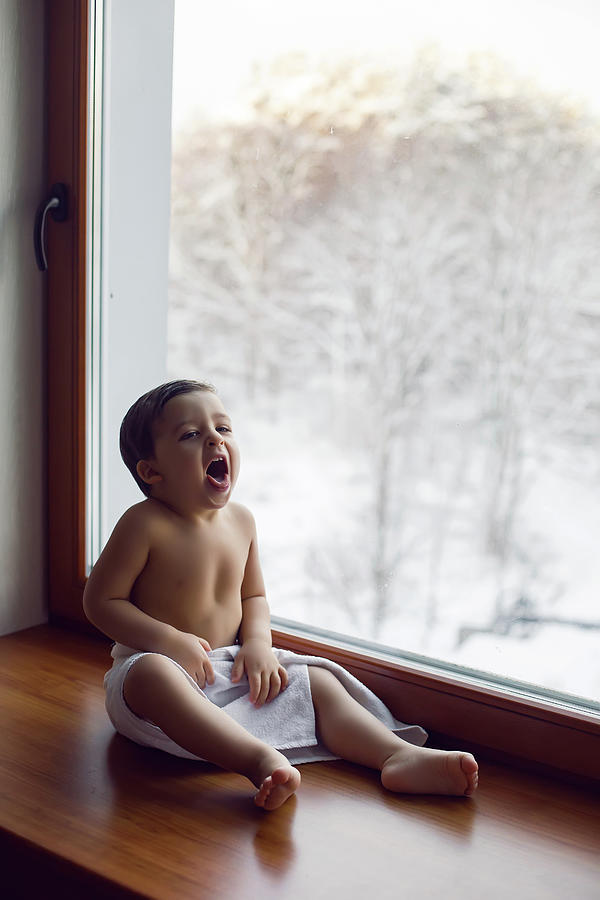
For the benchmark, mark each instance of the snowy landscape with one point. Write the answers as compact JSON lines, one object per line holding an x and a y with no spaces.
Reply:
{"x":389,"y":269}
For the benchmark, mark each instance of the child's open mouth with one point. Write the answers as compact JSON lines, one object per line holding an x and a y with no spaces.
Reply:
{"x":218,"y":474}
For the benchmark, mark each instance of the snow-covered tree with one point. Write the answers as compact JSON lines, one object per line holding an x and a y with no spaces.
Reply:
{"x":413,"y":244}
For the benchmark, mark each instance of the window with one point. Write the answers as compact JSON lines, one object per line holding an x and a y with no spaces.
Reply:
{"x":383,"y":229}
{"x":445,"y":702}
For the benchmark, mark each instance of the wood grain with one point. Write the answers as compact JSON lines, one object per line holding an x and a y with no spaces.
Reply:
{"x":66,"y":100}
{"x":83,"y":811}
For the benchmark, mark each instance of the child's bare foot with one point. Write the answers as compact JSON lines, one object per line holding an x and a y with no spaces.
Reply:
{"x":275,"y":789}
{"x":421,"y":770}
{"x":275,"y":779}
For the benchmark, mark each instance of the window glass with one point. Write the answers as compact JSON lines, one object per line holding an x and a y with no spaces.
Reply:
{"x":383,"y":252}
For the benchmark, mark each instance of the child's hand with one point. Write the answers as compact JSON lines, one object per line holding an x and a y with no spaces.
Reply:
{"x":191,"y":652}
{"x":265,"y":676}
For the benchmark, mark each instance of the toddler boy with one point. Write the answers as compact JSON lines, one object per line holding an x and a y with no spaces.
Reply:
{"x":179,"y":576}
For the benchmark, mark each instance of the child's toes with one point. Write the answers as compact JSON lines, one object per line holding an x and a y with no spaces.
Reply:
{"x":263,"y":792}
{"x":284,"y":782}
{"x":470,"y":769}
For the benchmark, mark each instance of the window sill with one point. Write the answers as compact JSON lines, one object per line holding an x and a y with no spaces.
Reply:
{"x":86,"y":813}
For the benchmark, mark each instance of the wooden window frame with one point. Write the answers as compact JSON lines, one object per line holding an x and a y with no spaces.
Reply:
{"x":528,"y":732}
{"x":66,"y":86}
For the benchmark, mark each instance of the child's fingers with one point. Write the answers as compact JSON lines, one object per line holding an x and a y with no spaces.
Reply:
{"x":283,"y":675}
{"x":255,"y":681}
{"x":275,"y":686}
{"x":265,"y":686}
{"x":208,"y":672}
{"x":237,"y":670}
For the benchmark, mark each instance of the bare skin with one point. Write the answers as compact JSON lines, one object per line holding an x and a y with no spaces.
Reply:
{"x":157,"y":690}
{"x":351,"y":732}
{"x":181,"y":575}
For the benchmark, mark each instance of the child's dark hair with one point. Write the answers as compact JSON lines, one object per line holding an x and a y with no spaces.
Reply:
{"x":136,"y":440}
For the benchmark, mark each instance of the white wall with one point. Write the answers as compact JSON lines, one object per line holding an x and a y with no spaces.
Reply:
{"x":22,"y":426}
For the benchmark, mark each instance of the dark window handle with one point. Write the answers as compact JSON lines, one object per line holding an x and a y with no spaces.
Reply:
{"x":58,"y":206}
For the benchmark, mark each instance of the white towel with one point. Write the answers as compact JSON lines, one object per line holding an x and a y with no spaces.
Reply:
{"x":286,"y":723}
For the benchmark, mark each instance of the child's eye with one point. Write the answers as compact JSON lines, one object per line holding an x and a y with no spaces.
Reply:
{"x":224,"y":428}
{"x":189,"y":434}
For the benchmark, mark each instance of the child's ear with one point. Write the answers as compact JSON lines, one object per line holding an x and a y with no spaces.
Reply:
{"x":147,"y":473}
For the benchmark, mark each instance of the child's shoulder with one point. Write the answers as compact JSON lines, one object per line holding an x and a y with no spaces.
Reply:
{"x":242,"y":516}
{"x":138,"y":529}
{"x":146,"y":514}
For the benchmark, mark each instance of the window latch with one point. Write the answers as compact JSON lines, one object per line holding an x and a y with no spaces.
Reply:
{"x":57,"y":205}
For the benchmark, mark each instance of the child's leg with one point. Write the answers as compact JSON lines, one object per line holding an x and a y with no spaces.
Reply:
{"x":351,"y":732}
{"x":155,"y":689}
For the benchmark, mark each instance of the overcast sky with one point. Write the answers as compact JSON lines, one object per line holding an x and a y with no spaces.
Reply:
{"x":556,"y":41}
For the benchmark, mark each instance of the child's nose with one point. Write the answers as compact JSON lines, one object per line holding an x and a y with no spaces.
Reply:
{"x":216,"y":439}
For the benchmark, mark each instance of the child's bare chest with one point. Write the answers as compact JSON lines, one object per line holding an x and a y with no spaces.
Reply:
{"x":192,"y":565}
{"x":190,"y":576}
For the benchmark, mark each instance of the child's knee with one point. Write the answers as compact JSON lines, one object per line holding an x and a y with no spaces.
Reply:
{"x":144,"y":676}
{"x":322,"y":681}
{"x":150,"y":665}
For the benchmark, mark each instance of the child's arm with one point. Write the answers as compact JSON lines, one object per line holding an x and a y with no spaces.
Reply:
{"x":107,"y":605}
{"x":265,"y":676}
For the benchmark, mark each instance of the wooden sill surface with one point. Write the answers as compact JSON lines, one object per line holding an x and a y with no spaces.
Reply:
{"x":84,"y":810}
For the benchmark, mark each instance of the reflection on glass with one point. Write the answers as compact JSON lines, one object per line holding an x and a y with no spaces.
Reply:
{"x":385,"y":258}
